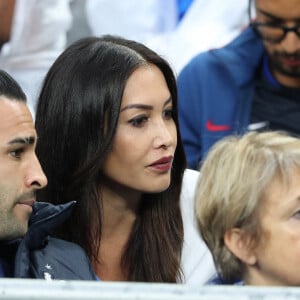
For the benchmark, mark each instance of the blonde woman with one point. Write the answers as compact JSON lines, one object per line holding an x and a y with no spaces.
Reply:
{"x":248,"y":208}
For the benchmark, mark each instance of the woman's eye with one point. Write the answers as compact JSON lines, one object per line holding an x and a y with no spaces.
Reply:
{"x":138,"y":121}
{"x":297,"y":214}
{"x":168,"y":114}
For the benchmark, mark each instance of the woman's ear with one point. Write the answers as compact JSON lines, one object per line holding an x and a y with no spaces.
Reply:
{"x":240,"y":243}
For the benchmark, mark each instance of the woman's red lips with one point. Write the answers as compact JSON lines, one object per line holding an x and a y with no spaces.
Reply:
{"x":163,"y":164}
{"x":163,"y":160}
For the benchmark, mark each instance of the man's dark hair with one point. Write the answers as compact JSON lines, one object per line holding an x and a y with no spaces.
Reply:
{"x":10,"y":88}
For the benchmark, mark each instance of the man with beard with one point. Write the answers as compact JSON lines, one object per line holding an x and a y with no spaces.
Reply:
{"x":253,"y":83}
{"x":26,"y":249}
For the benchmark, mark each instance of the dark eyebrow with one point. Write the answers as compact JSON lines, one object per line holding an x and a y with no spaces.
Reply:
{"x":23,"y":140}
{"x":143,"y":106}
{"x":267,"y":14}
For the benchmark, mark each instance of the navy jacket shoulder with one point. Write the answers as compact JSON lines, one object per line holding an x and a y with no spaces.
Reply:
{"x":41,"y":256}
{"x":215,"y":93}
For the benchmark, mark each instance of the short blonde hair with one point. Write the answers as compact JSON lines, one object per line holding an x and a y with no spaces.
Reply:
{"x":234,"y":176}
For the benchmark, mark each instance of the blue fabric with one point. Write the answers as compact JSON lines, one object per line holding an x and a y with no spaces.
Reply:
{"x":183,"y":6}
{"x":2,"y":273}
{"x":8,"y":251}
{"x":38,"y":255}
{"x":267,"y":72}
{"x":215,"y":93}
{"x":218,"y":280}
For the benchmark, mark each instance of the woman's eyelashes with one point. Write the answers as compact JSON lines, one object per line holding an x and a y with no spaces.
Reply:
{"x":141,"y":120}
{"x":138,"y":121}
{"x":296,"y":214}
{"x":168,"y":113}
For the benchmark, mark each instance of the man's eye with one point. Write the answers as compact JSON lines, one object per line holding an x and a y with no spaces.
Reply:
{"x":274,"y":23}
{"x":138,"y":121}
{"x":16,"y":153}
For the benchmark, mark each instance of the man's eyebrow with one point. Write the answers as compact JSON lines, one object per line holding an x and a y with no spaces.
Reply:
{"x":269,"y":15}
{"x":144,"y":106}
{"x":30,"y":140}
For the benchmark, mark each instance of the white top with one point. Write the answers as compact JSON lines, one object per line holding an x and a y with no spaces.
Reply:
{"x":206,"y":24}
{"x":38,"y":36}
{"x":133,"y":19}
{"x":197,"y":262}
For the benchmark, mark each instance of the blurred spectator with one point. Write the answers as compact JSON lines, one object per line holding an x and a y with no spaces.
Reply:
{"x":205,"y":25}
{"x":251,"y":84}
{"x":35,"y":35}
{"x":133,"y":19}
{"x":177,"y":29}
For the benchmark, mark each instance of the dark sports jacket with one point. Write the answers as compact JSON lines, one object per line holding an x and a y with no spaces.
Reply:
{"x":41,"y":256}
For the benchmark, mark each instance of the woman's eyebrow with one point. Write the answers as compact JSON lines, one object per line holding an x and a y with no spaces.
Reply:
{"x":168,"y":101}
{"x":143,"y":106}
{"x":139,"y":106}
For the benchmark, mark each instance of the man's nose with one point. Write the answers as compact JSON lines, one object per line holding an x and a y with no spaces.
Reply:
{"x":35,"y":176}
{"x":291,"y":42}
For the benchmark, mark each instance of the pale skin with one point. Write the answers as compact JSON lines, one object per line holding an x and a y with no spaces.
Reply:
{"x":285,"y":55}
{"x":274,"y":259}
{"x":20,"y":173}
{"x":146,"y":133}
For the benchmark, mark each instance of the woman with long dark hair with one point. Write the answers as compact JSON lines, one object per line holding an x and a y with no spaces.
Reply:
{"x":109,"y":139}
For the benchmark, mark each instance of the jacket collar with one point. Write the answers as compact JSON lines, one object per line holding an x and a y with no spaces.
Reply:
{"x":243,"y":56}
{"x":43,"y":221}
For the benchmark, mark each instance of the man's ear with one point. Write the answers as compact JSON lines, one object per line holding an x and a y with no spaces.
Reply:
{"x":240,"y":244}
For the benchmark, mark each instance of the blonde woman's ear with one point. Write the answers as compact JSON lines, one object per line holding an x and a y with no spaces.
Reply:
{"x":240,"y":244}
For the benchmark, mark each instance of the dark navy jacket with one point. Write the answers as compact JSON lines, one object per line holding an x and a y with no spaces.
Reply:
{"x":41,"y":256}
{"x":215,"y":92}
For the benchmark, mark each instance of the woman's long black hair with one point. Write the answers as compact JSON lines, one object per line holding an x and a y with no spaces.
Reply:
{"x":76,"y":119}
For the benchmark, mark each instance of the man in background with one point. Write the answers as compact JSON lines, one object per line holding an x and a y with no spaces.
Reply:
{"x":251,"y":84}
